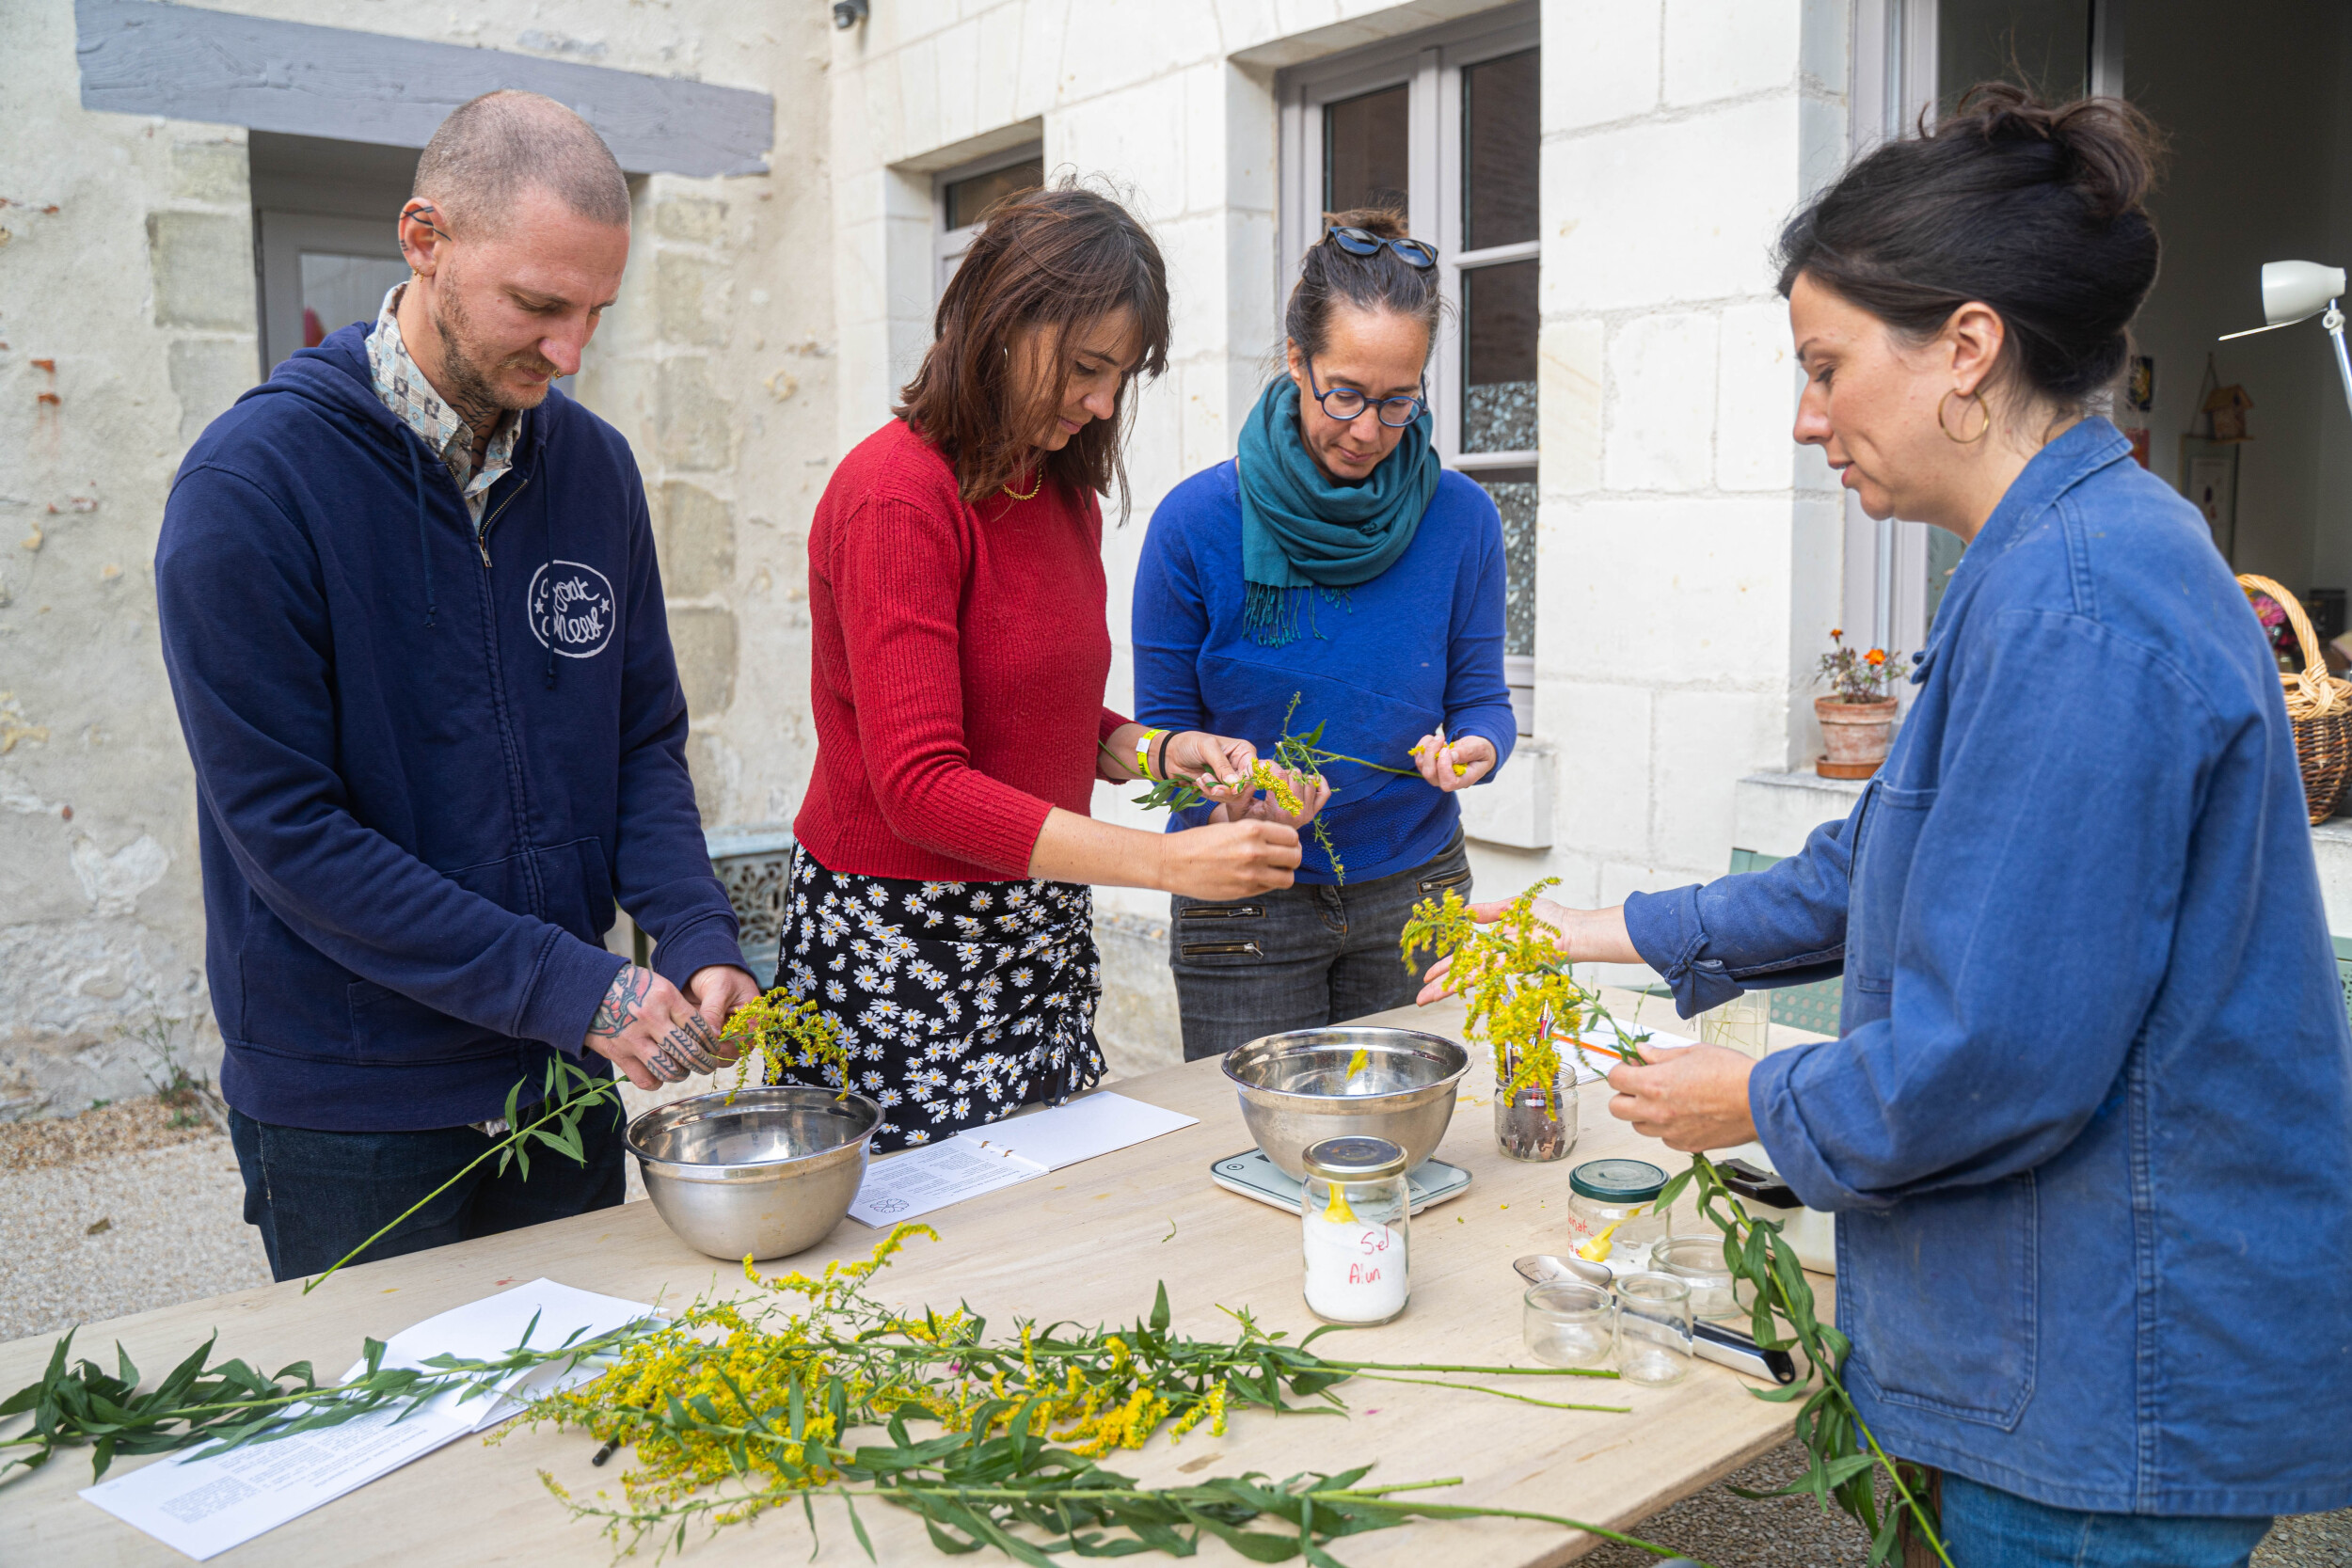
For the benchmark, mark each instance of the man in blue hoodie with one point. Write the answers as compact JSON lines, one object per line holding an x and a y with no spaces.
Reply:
{"x":414,"y":628}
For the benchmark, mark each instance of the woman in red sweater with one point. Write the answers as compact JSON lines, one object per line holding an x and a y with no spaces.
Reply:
{"x":939,"y":909}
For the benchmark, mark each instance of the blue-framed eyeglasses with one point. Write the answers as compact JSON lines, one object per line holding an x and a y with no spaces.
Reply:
{"x":1363,"y":242}
{"x":1346,"y":403}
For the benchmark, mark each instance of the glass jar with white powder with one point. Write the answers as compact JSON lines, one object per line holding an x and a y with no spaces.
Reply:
{"x":1354,"y":1218}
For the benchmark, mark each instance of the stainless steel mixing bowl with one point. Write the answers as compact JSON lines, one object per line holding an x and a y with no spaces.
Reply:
{"x":1296,"y":1089}
{"x":765,"y":1176}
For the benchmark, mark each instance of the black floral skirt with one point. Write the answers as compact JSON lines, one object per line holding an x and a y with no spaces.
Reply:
{"x":959,"y":1002}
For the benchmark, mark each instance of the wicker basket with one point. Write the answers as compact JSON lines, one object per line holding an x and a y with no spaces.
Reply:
{"x":2321,"y":706}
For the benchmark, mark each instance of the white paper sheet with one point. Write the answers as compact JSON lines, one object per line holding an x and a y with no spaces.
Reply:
{"x":1079,"y":1131}
{"x":1004,"y":1154}
{"x":202,"y":1507}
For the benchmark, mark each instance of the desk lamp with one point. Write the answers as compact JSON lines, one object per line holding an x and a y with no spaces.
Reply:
{"x":2296,"y":291}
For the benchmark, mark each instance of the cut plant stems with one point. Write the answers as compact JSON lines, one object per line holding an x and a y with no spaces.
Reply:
{"x":1301,"y":754}
{"x":1516,"y":982}
{"x":739,"y":1406}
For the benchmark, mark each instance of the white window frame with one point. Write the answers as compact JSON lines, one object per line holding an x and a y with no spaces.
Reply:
{"x":948,"y":244}
{"x":1894,"y":72}
{"x":1431,"y":63}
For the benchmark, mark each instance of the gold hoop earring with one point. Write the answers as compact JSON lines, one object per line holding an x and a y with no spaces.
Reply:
{"x":1983,"y":408}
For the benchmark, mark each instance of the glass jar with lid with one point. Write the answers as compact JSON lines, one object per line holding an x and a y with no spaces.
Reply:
{"x":1611,"y":1212}
{"x":1354,"y":1214}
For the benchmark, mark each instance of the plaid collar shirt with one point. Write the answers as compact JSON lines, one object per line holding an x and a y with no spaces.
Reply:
{"x":413,"y":401}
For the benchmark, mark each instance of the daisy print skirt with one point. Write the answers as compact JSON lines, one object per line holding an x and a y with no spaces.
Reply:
{"x":959,"y":1002}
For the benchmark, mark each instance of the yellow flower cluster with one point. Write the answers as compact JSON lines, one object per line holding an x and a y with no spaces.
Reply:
{"x":1265,"y":777}
{"x":782,"y":1032}
{"x":1516,"y":980}
{"x":765,"y":1396}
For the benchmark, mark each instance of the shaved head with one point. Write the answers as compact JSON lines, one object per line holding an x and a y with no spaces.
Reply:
{"x":491,"y":151}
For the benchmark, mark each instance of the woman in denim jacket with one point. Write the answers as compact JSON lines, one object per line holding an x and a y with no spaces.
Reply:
{"x":2086,"y":1124}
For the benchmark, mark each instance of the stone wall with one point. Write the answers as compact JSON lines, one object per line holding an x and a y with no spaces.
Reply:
{"x":127,"y":322}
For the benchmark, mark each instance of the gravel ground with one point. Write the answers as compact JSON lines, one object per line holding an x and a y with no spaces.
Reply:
{"x":119,"y":1211}
{"x":150,"y":1216}
{"x":1728,"y":1532}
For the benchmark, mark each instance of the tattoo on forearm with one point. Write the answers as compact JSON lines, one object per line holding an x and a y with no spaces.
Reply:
{"x":618,"y":1010}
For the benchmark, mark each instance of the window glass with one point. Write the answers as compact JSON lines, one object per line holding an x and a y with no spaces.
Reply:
{"x":1498,"y":151}
{"x":1499,"y":357}
{"x":2044,"y":44}
{"x":1514,"y":493}
{"x":1367,"y":151}
{"x":339,"y":290}
{"x":968,"y":198}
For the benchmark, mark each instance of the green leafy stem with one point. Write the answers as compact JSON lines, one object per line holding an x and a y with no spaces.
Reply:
{"x":567,"y":1094}
{"x":1303,"y":754}
{"x":1844,"y":1457}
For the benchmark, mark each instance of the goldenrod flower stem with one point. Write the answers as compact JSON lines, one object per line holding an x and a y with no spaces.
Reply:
{"x":1499,"y":1393}
{"x":1464,"y":1367}
{"x":608,"y":1092}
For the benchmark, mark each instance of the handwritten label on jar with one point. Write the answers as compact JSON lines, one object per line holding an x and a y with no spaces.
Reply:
{"x":1356,"y":1272}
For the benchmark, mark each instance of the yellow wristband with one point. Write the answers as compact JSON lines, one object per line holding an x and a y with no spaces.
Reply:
{"x":1143,"y":752}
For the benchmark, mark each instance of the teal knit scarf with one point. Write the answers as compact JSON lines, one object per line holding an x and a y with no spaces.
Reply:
{"x":1303,"y":533}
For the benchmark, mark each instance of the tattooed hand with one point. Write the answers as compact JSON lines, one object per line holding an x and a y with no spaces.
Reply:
{"x":654,"y":1035}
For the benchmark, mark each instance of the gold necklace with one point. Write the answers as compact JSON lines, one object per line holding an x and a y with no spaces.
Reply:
{"x":1031,"y":494}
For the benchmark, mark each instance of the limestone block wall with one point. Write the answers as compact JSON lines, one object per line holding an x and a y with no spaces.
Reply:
{"x":1689,"y":558}
{"x":127,"y":322}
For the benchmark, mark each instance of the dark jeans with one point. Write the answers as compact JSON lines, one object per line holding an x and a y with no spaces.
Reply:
{"x":315,"y":1195}
{"x":1299,"y":958}
{"x":1986,"y":1527}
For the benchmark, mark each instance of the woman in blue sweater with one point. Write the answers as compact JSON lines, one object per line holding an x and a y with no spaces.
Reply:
{"x":1337,"y":567}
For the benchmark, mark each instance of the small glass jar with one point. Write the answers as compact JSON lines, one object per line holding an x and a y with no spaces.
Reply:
{"x":1569,"y":1323}
{"x":1531,"y":1124}
{"x":1698,"y":1262}
{"x":1354,"y":1214}
{"x":1653,"y":1328}
{"x":1606,"y":1194}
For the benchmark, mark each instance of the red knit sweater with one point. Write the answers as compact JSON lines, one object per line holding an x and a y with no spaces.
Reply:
{"x":960,"y":658}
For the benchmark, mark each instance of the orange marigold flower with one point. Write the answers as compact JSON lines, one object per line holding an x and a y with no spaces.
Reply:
{"x":1876,"y":656}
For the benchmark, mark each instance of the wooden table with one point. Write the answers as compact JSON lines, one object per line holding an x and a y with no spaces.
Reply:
{"x":1086,"y":1242}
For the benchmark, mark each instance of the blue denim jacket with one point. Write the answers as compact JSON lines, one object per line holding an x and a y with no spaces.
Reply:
{"x":2087,"y":1124}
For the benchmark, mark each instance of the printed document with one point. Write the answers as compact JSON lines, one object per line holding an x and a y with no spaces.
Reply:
{"x":202,"y":1507}
{"x":1005,"y":1153}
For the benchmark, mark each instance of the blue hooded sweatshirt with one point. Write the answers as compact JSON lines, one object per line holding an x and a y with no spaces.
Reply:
{"x":426,"y":763}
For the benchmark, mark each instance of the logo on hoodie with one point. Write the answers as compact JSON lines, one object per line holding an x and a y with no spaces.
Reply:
{"x":572,"y":608}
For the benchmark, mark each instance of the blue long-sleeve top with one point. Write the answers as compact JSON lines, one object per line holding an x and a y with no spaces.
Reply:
{"x":1418,"y":645}
{"x":2086,"y":1122}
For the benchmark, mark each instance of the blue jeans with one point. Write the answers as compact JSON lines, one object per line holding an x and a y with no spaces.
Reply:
{"x":1301,"y":956}
{"x":315,"y":1195}
{"x":1985,"y":1528}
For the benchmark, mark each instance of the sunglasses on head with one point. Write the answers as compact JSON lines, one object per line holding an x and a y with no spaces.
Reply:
{"x":1363,"y":242}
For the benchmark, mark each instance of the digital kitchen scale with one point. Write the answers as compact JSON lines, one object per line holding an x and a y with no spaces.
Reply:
{"x":1252,"y":1175}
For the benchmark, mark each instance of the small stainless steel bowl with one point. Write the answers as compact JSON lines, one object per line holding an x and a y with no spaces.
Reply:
{"x":765,"y":1177}
{"x":1295,"y":1090}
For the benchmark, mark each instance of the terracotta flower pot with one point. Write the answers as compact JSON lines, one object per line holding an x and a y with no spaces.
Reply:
{"x":1856,"y":734}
